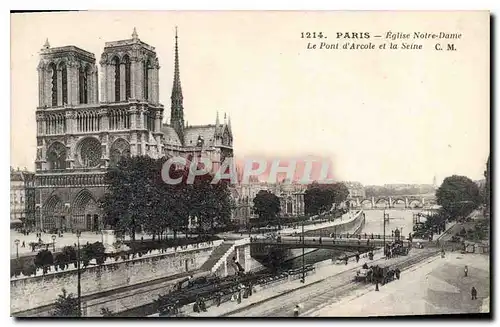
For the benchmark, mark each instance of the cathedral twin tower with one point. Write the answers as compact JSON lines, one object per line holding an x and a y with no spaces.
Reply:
{"x":79,"y":136}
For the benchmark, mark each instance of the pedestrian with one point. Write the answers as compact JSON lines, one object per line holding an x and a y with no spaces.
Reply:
{"x":466,"y":270}
{"x":473,"y":293}
{"x":296,"y":311}
{"x":357,"y":257}
{"x":23,"y":245}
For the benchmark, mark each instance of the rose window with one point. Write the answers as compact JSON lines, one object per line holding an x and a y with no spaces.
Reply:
{"x":90,"y":153}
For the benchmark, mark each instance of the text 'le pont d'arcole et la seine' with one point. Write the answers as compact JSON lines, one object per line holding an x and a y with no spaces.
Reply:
{"x":444,"y":41}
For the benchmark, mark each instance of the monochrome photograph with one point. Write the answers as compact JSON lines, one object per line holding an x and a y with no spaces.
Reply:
{"x":250,"y":164}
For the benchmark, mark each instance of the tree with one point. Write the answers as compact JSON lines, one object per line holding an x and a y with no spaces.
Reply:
{"x":458,"y":195}
{"x":210,"y":202}
{"x":487,"y":176}
{"x":267,"y":206}
{"x":319,"y":198}
{"x":44,"y":259}
{"x":132,"y":191}
{"x":340,"y":193}
{"x":93,"y":251}
{"x":66,"y":305}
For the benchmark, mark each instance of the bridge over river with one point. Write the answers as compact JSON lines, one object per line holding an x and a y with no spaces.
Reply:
{"x":354,"y":243}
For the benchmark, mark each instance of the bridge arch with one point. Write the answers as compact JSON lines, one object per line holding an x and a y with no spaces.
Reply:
{"x":365,"y":201}
{"x":412,"y":201}
{"x":382,"y":199}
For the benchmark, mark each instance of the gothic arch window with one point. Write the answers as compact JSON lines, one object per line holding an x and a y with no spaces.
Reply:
{"x":225,"y":138}
{"x":56,"y":156}
{"x":116,"y":64}
{"x":147,"y":65}
{"x":64,"y":83}
{"x":119,"y":149}
{"x":90,"y":152}
{"x":126,"y":62}
{"x":53,"y":71}
{"x":84,"y":78}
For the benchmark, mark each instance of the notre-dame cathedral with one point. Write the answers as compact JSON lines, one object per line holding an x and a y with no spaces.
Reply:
{"x":83,"y":127}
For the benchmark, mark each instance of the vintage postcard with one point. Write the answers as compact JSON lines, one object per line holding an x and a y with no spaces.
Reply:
{"x":250,"y":164}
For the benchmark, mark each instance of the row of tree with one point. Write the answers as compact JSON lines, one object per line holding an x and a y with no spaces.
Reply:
{"x":458,"y":196}
{"x":138,"y":197}
{"x":379,"y":191}
{"x":320,"y":198}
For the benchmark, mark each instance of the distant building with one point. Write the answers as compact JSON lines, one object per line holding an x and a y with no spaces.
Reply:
{"x":291,"y":199}
{"x":356,"y":189}
{"x":22,"y":198}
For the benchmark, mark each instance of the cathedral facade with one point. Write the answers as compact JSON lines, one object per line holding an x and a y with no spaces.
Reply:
{"x":84,"y":126}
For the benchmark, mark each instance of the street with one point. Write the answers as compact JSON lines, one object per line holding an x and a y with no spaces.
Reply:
{"x":432,"y":287}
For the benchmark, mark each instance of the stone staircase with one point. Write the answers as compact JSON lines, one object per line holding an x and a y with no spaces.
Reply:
{"x":216,"y":255}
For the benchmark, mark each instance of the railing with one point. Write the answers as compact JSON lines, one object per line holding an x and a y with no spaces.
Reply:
{"x":347,"y":241}
{"x":109,"y":260}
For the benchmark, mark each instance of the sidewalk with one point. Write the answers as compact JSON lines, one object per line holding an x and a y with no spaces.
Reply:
{"x":431,"y":287}
{"x":323,"y":271}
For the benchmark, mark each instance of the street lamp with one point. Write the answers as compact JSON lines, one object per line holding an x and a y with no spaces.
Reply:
{"x":303,"y":280}
{"x":386,"y":219}
{"x":54,"y":243}
{"x":16,"y":242}
{"x":79,"y":288}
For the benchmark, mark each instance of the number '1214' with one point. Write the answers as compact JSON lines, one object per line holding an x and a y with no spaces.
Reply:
{"x":313,"y":35}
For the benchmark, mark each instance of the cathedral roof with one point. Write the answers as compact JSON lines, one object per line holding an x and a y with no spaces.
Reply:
{"x":20,"y":175}
{"x":170,"y":135}
{"x":206,"y":132}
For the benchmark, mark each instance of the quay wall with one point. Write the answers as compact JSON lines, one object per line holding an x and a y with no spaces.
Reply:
{"x":42,"y":290}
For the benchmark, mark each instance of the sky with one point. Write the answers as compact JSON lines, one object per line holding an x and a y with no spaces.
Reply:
{"x":381,"y":116}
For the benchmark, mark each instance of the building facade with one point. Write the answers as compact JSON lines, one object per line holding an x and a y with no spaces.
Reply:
{"x":356,"y":190}
{"x":22,"y":198}
{"x":291,"y":197}
{"x":84,"y":126}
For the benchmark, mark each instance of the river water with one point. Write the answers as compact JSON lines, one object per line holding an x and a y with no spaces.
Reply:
{"x":398,"y":218}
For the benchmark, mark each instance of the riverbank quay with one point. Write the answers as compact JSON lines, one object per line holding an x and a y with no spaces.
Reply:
{"x":432,"y":287}
{"x":279,"y":300}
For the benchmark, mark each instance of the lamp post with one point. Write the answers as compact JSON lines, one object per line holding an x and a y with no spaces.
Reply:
{"x":386,"y":218}
{"x":16,"y":242}
{"x":79,"y":289}
{"x":54,"y":243}
{"x":303,"y":280}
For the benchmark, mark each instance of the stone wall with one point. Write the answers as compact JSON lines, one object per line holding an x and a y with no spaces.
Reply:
{"x":32,"y":292}
{"x":350,"y":225}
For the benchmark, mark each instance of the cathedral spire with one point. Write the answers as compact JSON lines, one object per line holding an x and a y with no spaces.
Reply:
{"x":177,"y":109}
{"x":217,"y":123}
{"x":176,"y":90}
{"x":134,"y":34}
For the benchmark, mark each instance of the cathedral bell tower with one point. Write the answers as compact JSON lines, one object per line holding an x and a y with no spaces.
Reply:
{"x":130,"y":90}
{"x":67,"y":80}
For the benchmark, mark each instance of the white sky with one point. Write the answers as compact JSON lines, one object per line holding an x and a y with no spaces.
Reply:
{"x":382,"y":116}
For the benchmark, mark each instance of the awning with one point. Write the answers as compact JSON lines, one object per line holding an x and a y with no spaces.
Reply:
{"x":15,"y":221}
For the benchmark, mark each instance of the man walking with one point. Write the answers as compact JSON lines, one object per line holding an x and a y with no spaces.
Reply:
{"x":466,"y":270}
{"x":473,"y":293}
{"x":296,"y":311}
